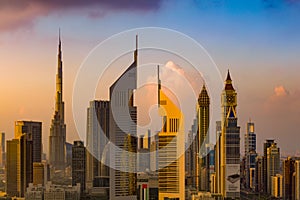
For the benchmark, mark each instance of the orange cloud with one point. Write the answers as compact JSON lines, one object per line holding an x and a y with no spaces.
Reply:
{"x":280,"y":91}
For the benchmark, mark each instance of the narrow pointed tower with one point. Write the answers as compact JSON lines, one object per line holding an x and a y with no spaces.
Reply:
{"x":230,"y":143}
{"x":57,"y":138}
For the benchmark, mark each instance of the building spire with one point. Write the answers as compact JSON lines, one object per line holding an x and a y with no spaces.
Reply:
{"x":158,"y":86}
{"x":228,"y":76}
{"x":228,"y":82}
{"x":59,"y":45}
{"x":59,"y":76}
{"x":136,"y":48}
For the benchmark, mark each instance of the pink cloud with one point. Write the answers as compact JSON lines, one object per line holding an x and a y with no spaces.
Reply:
{"x":16,"y":14}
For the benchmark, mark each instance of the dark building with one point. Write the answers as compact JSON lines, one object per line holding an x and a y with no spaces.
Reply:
{"x":289,"y":178}
{"x":68,"y":154}
{"x":33,"y":132}
{"x":78,"y":164}
{"x":202,"y":140}
{"x":259,"y":174}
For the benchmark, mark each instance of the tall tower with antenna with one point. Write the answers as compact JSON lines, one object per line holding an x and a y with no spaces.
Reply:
{"x":171,"y":173}
{"x":57,"y":138}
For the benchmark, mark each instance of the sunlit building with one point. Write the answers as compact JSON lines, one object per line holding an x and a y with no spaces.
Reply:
{"x":171,"y":174}
{"x":277,"y":186}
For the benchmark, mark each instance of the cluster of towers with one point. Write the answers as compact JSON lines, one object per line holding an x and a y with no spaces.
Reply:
{"x":109,"y":164}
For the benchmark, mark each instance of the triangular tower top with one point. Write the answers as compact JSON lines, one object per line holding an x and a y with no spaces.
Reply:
{"x":228,"y":82}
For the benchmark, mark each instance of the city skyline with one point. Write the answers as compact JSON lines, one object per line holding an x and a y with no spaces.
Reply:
{"x":266,"y":80}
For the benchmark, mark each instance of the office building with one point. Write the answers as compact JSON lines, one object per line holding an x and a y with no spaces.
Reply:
{"x":122,"y":134}
{"x":267,"y":144}
{"x":192,"y":158}
{"x":297,"y":180}
{"x":277,"y":186}
{"x":250,"y":154}
{"x":2,"y":150}
{"x":97,"y":171}
{"x":259,"y":174}
{"x":273,"y":164}
{"x":78,"y":164}
{"x":12,"y":163}
{"x":288,"y":173}
{"x":38,"y":173}
{"x":33,"y":132}
{"x":171,"y":174}
{"x":202,"y":139}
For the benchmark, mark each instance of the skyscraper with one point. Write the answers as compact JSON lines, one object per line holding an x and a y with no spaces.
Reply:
{"x":288,"y":172}
{"x":250,"y":153}
{"x":97,"y":171}
{"x":297,"y":180}
{"x":230,"y":143}
{"x":30,"y":135}
{"x":12,"y":163}
{"x":267,"y":144}
{"x":33,"y":132}
{"x":277,"y":186}
{"x":2,"y":149}
{"x":19,"y":165}
{"x":171,"y":174}
{"x":38,"y":173}
{"x":192,"y":157}
{"x":57,"y":138}
{"x":250,"y":138}
{"x":202,"y":164}
{"x":259,"y":174}
{"x":122,"y":133}
{"x":78,"y":164}
{"x":217,"y":188}
{"x":273,"y":164}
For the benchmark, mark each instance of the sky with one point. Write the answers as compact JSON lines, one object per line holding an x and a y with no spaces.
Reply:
{"x":258,"y":40}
